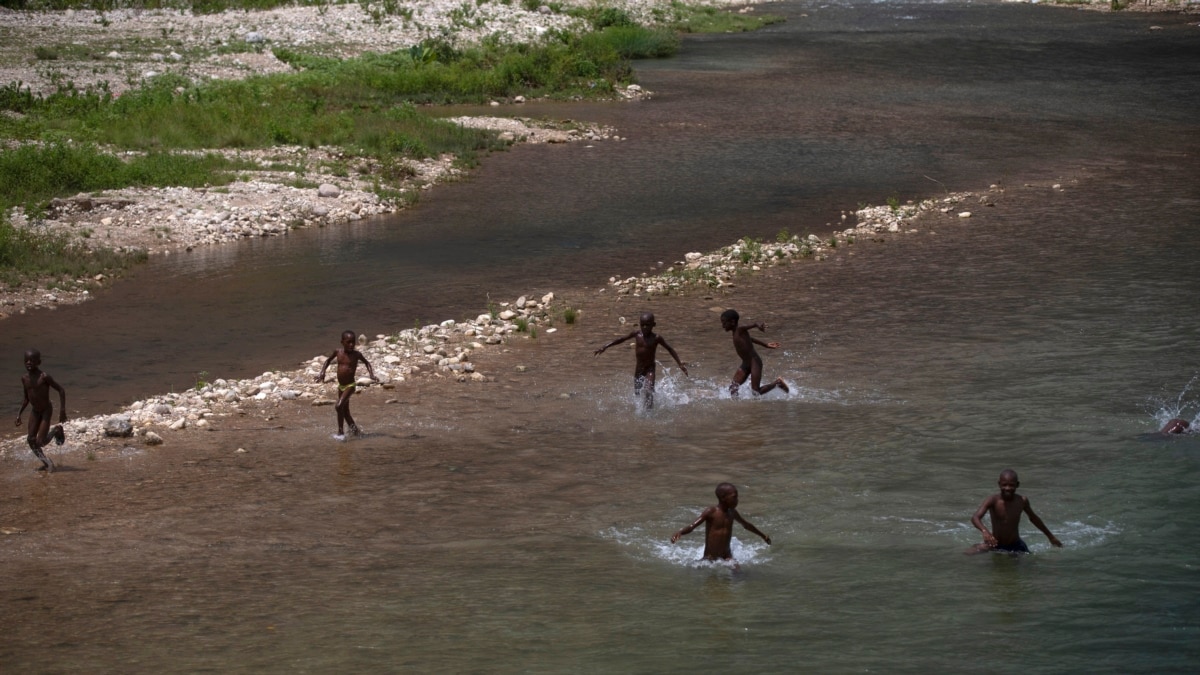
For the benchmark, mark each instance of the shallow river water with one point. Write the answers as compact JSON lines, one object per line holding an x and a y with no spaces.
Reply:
{"x":523,"y":525}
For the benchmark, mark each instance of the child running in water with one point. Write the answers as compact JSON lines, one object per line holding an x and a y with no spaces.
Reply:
{"x":1005,"y":509}
{"x":348,"y":359}
{"x":718,"y":525}
{"x":751,"y":362}
{"x":37,"y":385}
{"x":645,"y":366}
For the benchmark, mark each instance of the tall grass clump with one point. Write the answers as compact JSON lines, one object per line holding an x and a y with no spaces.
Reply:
{"x":633,"y":42}
{"x":31,"y":175}
{"x":709,"y":19}
{"x":26,"y":253}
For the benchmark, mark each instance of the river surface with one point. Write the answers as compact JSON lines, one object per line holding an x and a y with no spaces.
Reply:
{"x":523,"y":525}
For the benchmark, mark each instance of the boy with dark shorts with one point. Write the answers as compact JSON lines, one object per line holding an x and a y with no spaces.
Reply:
{"x":1005,"y":509}
{"x":37,"y":385}
{"x":347,"y":358}
{"x":751,"y":362}
{"x":646,"y":346}
{"x":718,"y":525}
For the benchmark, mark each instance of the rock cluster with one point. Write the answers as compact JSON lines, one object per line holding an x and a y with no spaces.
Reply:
{"x":437,"y":350}
{"x":720,"y":268}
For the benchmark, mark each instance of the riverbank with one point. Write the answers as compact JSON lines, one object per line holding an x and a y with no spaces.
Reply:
{"x":291,"y":186}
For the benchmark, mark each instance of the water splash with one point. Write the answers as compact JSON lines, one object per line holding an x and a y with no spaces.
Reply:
{"x":1073,"y":534}
{"x":1166,"y":409}
{"x":688,"y":552}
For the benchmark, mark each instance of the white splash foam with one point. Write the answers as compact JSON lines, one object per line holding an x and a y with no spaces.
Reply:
{"x":688,"y":552}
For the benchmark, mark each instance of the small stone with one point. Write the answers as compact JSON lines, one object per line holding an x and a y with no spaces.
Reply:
{"x":118,"y":427}
{"x":152,"y":438}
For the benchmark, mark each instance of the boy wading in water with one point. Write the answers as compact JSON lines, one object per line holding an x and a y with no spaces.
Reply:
{"x":348,"y":359}
{"x":646,"y":346}
{"x":751,"y":362}
{"x":718,"y":524}
{"x":1005,"y":509}
{"x":37,"y":386}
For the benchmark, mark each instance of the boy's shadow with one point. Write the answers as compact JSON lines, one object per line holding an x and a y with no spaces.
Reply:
{"x":62,"y":468}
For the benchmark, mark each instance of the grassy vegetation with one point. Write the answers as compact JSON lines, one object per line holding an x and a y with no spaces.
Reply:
{"x":365,"y":106}
{"x":32,"y":175}
{"x":55,"y":258}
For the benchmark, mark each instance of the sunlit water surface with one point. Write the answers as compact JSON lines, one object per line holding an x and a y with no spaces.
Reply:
{"x":524,"y":525}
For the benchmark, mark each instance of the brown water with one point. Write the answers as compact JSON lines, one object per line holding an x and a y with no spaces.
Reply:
{"x":522,"y":525}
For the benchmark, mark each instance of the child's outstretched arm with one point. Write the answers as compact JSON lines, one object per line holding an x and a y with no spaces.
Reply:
{"x":977,"y":521}
{"x":62,"y":398}
{"x":703,"y":517}
{"x":618,"y":341}
{"x":750,"y":527}
{"x":768,"y":345}
{"x":1037,"y":522}
{"x":675,"y":356}
{"x":321,"y":377}
{"x":24,"y":403}
{"x":370,"y":371}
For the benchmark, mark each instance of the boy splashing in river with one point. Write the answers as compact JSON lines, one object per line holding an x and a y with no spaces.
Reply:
{"x":718,"y":525}
{"x":751,"y":362}
{"x":347,"y":358}
{"x":646,"y":347}
{"x":1004,"y":509}
{"x":37,"y":385}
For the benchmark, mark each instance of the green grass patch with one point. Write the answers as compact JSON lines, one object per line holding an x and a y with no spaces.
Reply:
{"x":708,"y":19}
{"x":55,"y":258}
{"x":31,"y":175}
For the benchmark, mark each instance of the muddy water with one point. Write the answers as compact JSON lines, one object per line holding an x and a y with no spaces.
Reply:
{"x":522,"y":525}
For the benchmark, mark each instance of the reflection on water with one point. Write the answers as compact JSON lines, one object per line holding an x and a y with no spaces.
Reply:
{"x":524,"y":524}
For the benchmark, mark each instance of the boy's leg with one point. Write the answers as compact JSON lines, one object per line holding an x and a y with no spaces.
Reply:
{"x":739,"y":378}
{"x":756,"y":377}
{"x":648,"y":387}
{"x":344,"y":415}
{"x":60,"y":435}
{"x":343,"y":410}
{"x":39,"y":427}
{"x":47,"y":465}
